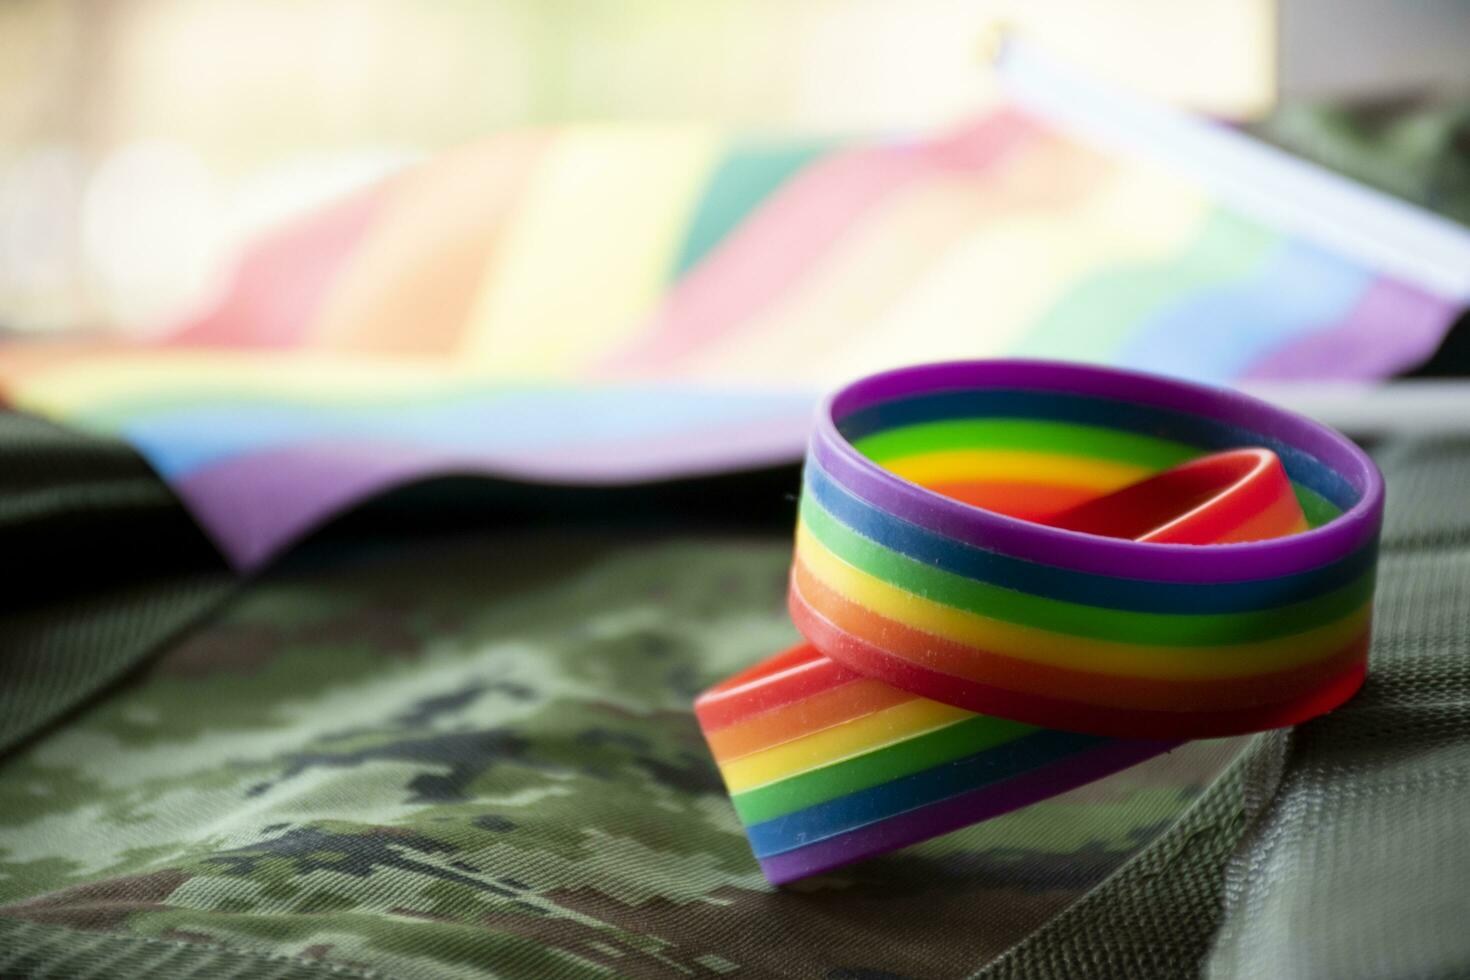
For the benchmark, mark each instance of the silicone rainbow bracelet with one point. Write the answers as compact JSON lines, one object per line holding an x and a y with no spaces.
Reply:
{"x":966,"y":659}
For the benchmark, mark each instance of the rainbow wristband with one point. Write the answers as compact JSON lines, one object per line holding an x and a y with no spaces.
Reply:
{"x":963,"y":662}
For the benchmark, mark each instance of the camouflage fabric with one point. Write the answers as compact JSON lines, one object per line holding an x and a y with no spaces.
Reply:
{"x":476,"y":758}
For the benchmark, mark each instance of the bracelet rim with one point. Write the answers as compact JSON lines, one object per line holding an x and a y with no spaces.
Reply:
{"x":1081,"y":551}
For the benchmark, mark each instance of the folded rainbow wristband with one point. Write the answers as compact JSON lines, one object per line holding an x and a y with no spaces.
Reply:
{"x":993,"y":619}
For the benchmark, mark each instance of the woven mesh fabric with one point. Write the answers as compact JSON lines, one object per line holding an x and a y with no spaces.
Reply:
{"x":1361,"y":868}
{"x":103,"y":564}
{"x":1155,"y":916}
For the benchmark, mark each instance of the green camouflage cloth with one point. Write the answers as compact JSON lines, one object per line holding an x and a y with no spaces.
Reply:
{"x":476,"y":758}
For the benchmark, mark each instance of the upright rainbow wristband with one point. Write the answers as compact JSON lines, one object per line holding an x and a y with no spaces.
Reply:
{"x":967,"y":656}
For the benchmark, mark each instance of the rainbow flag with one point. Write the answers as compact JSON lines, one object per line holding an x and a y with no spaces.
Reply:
{"x":614,"y":304}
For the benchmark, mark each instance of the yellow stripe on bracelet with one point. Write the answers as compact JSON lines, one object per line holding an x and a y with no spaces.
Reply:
{"x":1074,"y":652}
{"x":959,"y":465}
{"x":850,"y":738}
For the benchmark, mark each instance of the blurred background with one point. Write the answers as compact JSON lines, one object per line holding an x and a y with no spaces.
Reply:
{"x":142,"y":141}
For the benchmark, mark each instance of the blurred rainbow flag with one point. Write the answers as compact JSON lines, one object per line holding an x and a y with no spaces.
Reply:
{"x":607,"y":305}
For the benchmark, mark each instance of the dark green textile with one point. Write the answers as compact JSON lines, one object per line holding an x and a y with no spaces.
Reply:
{"x":1361,"y":867}
{"x":420,"y":752}
{"x":101,"y":565}
{"x":475,"y":757}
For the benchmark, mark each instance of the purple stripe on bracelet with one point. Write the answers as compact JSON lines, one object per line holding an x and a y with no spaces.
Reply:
{"x":1088,"y":553}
